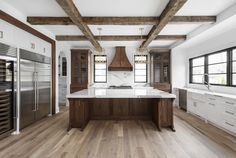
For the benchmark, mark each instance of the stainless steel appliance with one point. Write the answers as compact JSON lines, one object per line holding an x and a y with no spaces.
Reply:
{"x":35,"y":87}
{"x":7,"y":89}
{"x":183,"y":99}
{"x":120,"y":87}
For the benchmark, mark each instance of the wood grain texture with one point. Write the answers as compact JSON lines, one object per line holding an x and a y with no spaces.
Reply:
{"x":79,"y":69}
{"x":71,"y":10}
{"x":120,"y":62}
{"x":118,"y":38}
{"x":48,"y":138}
{"x":38,"y":20}
{"x":171,"y":9}
{"x":82,"y":110}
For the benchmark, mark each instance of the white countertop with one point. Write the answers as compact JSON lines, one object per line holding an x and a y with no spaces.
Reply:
{"x":205,"y":92}
{"x":142,"y":92}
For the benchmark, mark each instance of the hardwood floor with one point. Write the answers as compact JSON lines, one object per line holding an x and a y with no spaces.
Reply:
{"x":120,"y":139}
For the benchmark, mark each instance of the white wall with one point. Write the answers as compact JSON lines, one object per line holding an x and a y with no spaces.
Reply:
{"x":220,"y":37}
{"x":21,"y":39}
{"x":221,"y":41}
{"x":178,"y":68}
{"x":120,"y":77}
{"x":65,"y":48}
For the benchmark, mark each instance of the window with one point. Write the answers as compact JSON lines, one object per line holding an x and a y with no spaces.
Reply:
{"x":100,"y":68}
{"x":197,"y":70}
{"x":140,"y":68}
{"x":234,"y":67}
{"x":220,"y":68}
{"x":217,"y":68}
{"x":64,"y":66}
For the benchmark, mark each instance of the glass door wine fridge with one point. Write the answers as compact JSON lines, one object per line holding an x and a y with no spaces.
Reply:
{"x":7,"y":89}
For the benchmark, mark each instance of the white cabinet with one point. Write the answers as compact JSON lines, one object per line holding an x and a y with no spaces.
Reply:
{"x":22,"y":39}
{"x":7,"y":33}
{"x":213,"y":109}
{"x":216,"y":109}
{"x":196,"y":104}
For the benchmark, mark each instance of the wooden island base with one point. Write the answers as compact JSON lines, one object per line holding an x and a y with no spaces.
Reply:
{"x":160,"y":111}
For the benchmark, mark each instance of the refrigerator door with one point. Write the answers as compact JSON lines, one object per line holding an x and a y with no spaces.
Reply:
{"x":28,"y":95}
{"x":43,"y":83}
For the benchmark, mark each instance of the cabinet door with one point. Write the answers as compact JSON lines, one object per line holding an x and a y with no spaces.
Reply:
{"x":101,"y":108}
{"x":79,"y":70}
{"x":140,"y":107}
{"x":120,"y":107}
{"x":213,"y":113}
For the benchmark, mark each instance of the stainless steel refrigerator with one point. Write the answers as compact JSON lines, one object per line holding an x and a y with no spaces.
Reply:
{"x":35,"y":87}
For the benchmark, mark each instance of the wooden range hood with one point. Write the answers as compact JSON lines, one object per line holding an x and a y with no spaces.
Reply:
{"x":120,"y":62}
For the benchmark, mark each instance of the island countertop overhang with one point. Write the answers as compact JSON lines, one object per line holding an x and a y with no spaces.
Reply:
{"x":144,"y":92}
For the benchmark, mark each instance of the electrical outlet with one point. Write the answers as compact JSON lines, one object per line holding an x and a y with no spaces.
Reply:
{"x":32,"y":46}
{"x":1,"y":34}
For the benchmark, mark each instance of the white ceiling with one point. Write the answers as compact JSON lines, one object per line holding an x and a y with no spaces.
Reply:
{"x":120,"y":8}
{"x":64,"y":29}
{"x":175,"y":29}
{"x":204,"y":7}
{"x":120,"y":29}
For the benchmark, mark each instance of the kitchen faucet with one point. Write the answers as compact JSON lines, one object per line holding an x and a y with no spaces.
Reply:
{"x":207,"y":82}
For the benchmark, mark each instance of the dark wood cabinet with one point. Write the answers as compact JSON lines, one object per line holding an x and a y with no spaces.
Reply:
{"x":84,"y":109}
{"x":141,"y":107}
{"x":160,"y":77}
{"x":120,"y":107}
{"x":101,"y":108}
{"x":79,"y":113}
{"x":79,"y":69}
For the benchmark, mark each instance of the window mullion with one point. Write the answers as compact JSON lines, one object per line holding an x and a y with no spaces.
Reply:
{"x":206,"y":77}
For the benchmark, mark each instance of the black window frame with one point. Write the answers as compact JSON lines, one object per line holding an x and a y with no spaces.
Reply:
{"x":229,"y":67}
{"x":146,"y":69}
{"x":63,"y":66}
{"x":191,"y":67}
{"x":94,"y":75}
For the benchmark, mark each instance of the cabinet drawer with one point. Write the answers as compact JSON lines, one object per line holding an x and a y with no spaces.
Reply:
{"x":197,"y":96}
{"x":229,"y":102}
{"x":229,"y":123}
{"x":229,"y":111}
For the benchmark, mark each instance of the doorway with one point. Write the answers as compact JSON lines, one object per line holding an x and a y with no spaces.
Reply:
{"x":62,"y":77}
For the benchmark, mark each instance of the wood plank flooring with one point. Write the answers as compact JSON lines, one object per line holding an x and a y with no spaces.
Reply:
{"x":48,"y":138}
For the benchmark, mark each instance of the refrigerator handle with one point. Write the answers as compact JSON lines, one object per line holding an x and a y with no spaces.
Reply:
{"x":35,"y":88}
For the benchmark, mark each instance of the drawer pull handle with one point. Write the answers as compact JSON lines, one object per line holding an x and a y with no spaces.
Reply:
{"x":229,"y":124}
{"x":212,"y":99}
{"x":212,"y":104}
{"x":229,"y":103}
{"x":228,"y":112}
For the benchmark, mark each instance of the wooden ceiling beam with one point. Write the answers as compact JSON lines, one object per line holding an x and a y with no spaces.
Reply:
{"x":119,"y":20}
{"x":71,"y":10}
{"x":166,"y":16}
{"x":119,"y":38}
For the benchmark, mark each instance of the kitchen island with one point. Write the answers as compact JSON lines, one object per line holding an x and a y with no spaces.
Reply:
{"x":143,"y":103}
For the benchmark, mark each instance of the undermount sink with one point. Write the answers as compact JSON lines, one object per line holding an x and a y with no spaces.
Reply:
{"x":120,"y":87}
